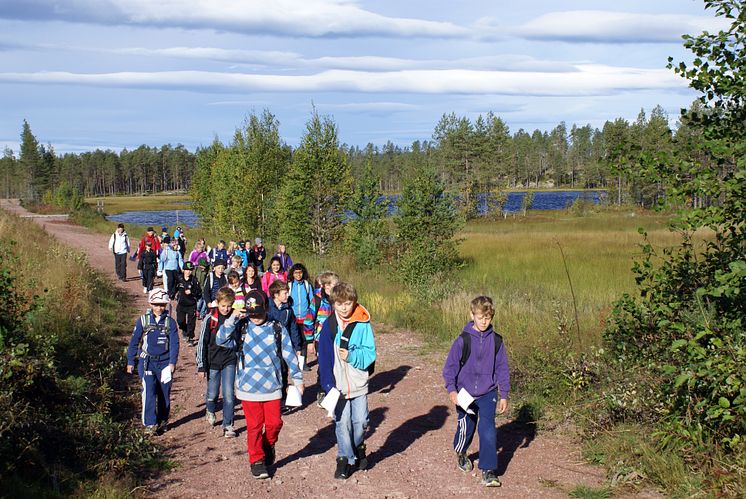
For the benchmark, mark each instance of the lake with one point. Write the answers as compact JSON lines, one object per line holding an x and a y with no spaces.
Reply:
{"x":549,"y":200}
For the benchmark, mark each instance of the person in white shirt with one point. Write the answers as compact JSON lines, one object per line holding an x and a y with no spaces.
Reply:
{"x":119,"y":244}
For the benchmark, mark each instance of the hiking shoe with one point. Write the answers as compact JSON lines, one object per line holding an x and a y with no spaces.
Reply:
{"x":319,"y":397}
{"x":489,"y":479}
{"x":259,"y":470}
{"x":464,"y":463}
{"x":269,"y":455}
{"x":362,"y":460}
{"x":211,"y":419}
{"x":343,"y":469}
{"x":229,"y":432}
{"x":151,"y":429}
{"x":163,"y":427}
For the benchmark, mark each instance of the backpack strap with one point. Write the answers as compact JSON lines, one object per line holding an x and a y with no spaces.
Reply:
{"x":466,"y":350}
{"x":277,"y":328}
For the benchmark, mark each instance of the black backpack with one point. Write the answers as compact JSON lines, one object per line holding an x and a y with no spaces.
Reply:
{"x":344,"y":342}
{"x":466,"y":350}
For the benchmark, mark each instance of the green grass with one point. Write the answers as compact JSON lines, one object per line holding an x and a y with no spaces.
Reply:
{"x":120,"y":204}
{"x":586,"y":492}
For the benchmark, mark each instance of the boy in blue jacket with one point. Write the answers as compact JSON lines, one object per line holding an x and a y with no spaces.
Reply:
{"x":478,"y":364}
{"x":347,"y":352}
{"x":155,"y":343}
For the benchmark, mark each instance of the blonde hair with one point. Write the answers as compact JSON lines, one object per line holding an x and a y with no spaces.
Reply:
{"x":236,"y":259}
{"x":225,"y":294}
{"x":483,"y":305}
{"x":327,"y":277}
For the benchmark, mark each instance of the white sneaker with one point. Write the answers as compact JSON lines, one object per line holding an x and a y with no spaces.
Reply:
{"x":211,"y":419}
{"x":229,"y":432}
{"x":144,"y":290}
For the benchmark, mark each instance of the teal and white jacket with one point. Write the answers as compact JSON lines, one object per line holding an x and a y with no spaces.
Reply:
{"x":259,"y":372}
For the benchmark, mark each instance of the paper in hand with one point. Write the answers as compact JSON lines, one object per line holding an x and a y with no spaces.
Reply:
{"x":464,"y":400}
{"x":330,"y":401}
{"x":293,"y":398}
{"x":301,"y":361}
{"x":166,"y":375}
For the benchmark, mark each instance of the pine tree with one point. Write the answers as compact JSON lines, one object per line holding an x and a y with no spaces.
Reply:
{"x":31,"y":164}
{"x":367,"y":230}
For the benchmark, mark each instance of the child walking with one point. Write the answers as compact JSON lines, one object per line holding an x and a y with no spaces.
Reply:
{"x":347,"y":351}
{"x":478,"y":364}
{"x":216,"y":362}
{"x":274,"y":273}
{"x":319,"y":310}
{"x":147,"y":265}
{"x":188,"y":292}
{"x":154,"y":346}
{"x":259,"y":379}
{"x":301,"y":295}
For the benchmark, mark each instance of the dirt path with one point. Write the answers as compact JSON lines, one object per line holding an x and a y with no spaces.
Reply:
{"x":409,"y":441}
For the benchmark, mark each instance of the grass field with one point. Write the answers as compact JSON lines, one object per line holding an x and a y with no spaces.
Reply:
{"x":120,"y":204}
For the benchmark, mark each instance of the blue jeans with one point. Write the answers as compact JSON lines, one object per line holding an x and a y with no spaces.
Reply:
{"x":483,"y":421}
{"x":226,"y":377}
{"x":351,"y":420}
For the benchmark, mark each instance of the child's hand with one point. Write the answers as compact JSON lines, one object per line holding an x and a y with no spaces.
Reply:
{"x":202,"y":375}
{"x":502,"y":406}
{"x":311,"y":349}
{"x":187,"y":291}
{"x":343,"y":353}
{"x":130,"y":369}
{"x":172,"y":367}
{"x":301,"y":388}
{"x":454,"y":397}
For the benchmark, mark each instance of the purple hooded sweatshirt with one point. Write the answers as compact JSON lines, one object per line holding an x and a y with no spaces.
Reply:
{"x":482,"y":373}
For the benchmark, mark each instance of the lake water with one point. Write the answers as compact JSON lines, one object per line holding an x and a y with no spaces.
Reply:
{"x":550,"y":200}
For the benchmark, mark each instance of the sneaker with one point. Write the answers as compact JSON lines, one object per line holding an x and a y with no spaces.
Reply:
{"x":151,"y":429}
{"x":211,"y":419}
{"x":259,"y":470}
{"x":229,"y":432}
{"x":269,"y":455}
{"x":163,"y":427}
{"x":319,"y":397}
{"x":464,"y":463}
{"x":489,"y":479}
{"x":343,"y":469}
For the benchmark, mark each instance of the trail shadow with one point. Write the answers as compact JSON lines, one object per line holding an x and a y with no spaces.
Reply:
{"x":408,"y":433}
{"x":199,"y":413}
{"x":325,"y":439}
{"x":387,"y":379}
{"x":514,"y":435}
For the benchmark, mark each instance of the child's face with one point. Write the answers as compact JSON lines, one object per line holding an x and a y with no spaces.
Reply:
{"x":250,"y":272}
{"x":344,"y":308}
{"x":158,"y":308}
{"x":282,"y":296}
{"x":225,"y":306}
{"x":275,"y":266}
{"x":219,"y":269}
{"x":281,"y":248}
{"x":481,"y":320}
{"x":298,"y":275}
{"x":329,"y":286}
{"x":259,"y":320}
{"x":187,"y":273}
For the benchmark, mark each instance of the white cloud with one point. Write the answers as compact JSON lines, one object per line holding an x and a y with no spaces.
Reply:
{"x":371,"y":106}
{"x":587,"y":79}
{"x":599,"y":26}
{"x":312,"y":18}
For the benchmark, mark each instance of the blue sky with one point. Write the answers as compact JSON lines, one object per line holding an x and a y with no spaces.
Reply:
{"x":92,"y":74}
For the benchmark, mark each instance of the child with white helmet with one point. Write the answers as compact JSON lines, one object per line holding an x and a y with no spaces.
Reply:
{"x":155,"y":344}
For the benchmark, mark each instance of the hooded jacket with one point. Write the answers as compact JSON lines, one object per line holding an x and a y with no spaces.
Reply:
{"x":350,"y":377}
{"x":483,"y":371}
{"x":285,"y":316}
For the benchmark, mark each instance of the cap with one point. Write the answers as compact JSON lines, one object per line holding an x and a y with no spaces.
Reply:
{"x":158,"y":295}
{"x":166,"y":239}
{"x":256,"y":303}
{"x":202,"y":262}
{"x":188,"y":266}
{"x":150,"y":229}
{"x":219,"y":261}
{"x":241,"y":243}
{"x":258,"y":240}
{"x":164,"y":228}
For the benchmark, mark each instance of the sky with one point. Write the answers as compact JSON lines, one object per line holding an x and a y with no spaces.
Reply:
{"x":114,"y":74}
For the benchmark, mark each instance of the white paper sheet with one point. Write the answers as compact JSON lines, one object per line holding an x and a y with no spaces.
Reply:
{"x":301,"y":361}
{"x":166,"y":375}
{"x":330,"y":401}
{"x":293,"y":398}
{"x":464,"y":400}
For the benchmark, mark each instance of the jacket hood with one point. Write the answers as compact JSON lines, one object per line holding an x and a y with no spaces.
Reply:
{"x":470,"y":329}
{"x":359,"y":314}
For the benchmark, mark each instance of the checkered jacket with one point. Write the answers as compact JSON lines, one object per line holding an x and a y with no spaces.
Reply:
{"x":259,"y":373}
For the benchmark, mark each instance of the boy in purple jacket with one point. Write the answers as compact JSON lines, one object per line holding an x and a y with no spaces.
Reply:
{"x":478,"y":364}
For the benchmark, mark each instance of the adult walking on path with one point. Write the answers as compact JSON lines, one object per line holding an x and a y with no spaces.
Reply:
{"x":119,"y":244}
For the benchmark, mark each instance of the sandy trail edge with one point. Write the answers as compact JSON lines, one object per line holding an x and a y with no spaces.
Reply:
{"x":409,"y":441}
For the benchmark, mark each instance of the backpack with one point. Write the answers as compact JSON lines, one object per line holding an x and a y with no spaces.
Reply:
{"x":148,"y":327}
{"x":466,"y":350}
{"x":344,"y":342}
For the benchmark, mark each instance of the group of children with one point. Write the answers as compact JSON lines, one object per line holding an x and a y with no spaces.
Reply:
{"x":258,"y":330}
